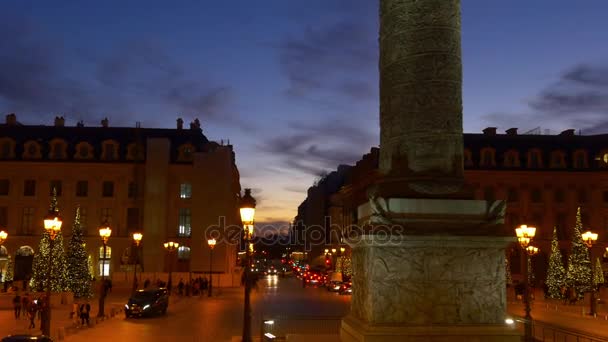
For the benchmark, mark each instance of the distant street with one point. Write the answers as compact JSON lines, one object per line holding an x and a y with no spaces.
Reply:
{"x":220,"y":317}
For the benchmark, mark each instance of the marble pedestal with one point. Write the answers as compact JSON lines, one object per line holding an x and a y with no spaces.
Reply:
{"x":437,"y":287}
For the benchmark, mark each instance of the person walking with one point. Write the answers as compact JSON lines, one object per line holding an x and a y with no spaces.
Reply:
{"x":87,"y":312}
{"x":25,"y":304}
{"x":32,"y":315}
{"x":17,"y":305}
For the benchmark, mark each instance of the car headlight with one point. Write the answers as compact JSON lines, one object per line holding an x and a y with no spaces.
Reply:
{"x":126,"y":306}
{"x":147,"y":306}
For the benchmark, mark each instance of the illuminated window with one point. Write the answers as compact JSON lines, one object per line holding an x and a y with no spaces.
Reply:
{"x":184,"y":228}
{"x":183,"y":253}
{"x":105,"y":260}
{"x":185,"y":190}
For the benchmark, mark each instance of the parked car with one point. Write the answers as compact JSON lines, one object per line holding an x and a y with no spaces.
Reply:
{"x":22,"y":338}
{"x":334,"y":286}
{"x":147,"y":302}
{"x":346,"y":288}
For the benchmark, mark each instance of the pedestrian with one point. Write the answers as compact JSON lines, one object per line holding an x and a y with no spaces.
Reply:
{"x":25,"y":304}
{"x":17,"y":305}
{"x":32,"y":315}
{"x":87,"y":312}
{"x":146,"y":283}
{"x":180,"y":287}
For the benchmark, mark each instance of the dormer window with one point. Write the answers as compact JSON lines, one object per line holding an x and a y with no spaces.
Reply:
{"x":468,"y":159}
{"x":135,"y":152}
{"x":580,"y":159}
{"x":57,"y":149}
{"x":185,"y":153}
{"x":31,"y":150}
{"x":534,"y":159}
{"x":558,"y":160}
{"x":603,"y":159}
{"x":109,"y":150}
{"x":7,"y":148}
{"x":487,"y":157}
{"x":84,"y":150}
{"x":511,"y":159}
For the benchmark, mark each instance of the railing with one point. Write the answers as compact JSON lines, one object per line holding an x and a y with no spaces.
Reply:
{"x":550,"y":333}
{"x":276,"y":328}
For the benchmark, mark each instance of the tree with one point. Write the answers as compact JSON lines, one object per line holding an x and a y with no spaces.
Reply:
{"x":556,"y":272}
{"x":40,"y":269}
{"x":508,"y":278}
{"x":579,"y":264}
{"x":598,"y":278}
{"x":78,"y":274}
{"x":8,"y":276}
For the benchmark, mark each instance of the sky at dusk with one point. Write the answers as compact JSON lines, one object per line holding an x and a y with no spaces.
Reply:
{"x":292,"y":84}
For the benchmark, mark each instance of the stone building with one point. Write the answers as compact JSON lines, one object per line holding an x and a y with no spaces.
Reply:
{"x":544,"y":178}
{"x":169,"y":184}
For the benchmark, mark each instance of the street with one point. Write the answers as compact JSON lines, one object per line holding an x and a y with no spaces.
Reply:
{"x":220,"y":318}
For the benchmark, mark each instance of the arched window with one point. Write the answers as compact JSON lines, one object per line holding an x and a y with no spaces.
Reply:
{"x":535,"y":159}
{"x":558,"y":160}
{"x":31,"y":150}
{"x":25,"y":251}
{"x":7,"y":148}
{"x":511,"y":159}
{"x":186,"y":153}
{"x":487,"y":157}
{"x":104,"y":260}
{"x":536,"y":196}
{"x":84,"y":151}
{"x":468,"y":158}
{"x":109,"y":150}
{"x":135,"y":152}
{"x":183,"y":253}
{"x":57,"y":149}
{"x":560,"y":196}
{"x":580,"y":159}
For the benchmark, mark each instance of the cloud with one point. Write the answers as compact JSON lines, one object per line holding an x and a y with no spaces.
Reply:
{"x":39,"y":75}
{"x":579,"y":99}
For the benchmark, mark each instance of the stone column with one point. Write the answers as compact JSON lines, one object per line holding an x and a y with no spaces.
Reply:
{"x":420,"y":93}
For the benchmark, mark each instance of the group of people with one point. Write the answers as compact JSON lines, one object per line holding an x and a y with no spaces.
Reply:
{"x":28,"y":309}
{"x":195,"y":286}
{"x":81,"y":312}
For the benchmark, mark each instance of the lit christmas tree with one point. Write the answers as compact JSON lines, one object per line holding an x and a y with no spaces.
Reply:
{"x":79,"y":277}
{"x":556,"y":272}
{"x":8,"y":276}
{"x":57,"y":266}
{"x":508,"y":278}
{"x":598,"y":278}
{"x":347,"y":269}
{"x":579,"y":264}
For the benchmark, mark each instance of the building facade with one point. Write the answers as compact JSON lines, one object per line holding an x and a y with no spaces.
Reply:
{"x":543,"y":178}
{"x":169,"y":184}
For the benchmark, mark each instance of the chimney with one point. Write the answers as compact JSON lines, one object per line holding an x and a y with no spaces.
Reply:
{"x":567,"y":133}
{"x":489,"y":131}
{"x":104,"y":122}
{"x":180,"y":123}
{"x":80,"y":123}
{"x":512,"y":131}
{"x":11,"y":119}
{"x":197,"y":124}
{"x":59,"y":121}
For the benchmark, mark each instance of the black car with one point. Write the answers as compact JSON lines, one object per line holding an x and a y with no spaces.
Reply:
{"x":20,"y":338}
{"x":147,"y":302}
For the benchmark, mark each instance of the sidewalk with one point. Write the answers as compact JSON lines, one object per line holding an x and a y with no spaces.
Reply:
{"x":61,"y":324}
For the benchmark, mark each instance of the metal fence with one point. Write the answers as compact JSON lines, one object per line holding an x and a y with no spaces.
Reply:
{"x":550,"y":333}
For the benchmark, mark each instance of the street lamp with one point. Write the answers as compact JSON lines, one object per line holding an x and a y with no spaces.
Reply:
{"x":170,"y":246}
{"x":211,"y":243}
{"x":342,"y":250}
{"x":590,"y":238}
{"x":104,"y":232}
{"x":247,"y":210}
{"x":52,"y":225}
{"x":137,"y":240}
{"x":3,"y":236}
{"x":525,"y":235}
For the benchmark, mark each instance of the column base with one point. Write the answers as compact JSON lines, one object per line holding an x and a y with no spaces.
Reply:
{"x":355,"y":330}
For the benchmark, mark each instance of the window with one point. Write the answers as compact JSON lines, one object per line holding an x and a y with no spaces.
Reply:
{"x":4,"y":187}
{"x":27,"y":218}
{"x":183,"y":253}
{"x":560,"y":226}
{"x":185,"y":190}
{"x":57,"y":150}
{"x":132,"y":193}
{"x":560,"y":196}
{"x":511,"y":159}
{"x":55,"y":184}
{"x":132,"y":220}
{"x":536,"y":196}
{"x":7,"y":149}
{"x":184,"y":228}
{"x":84,"y":150}
{"x":580,"y":159}
{"x":29,"y":187}
{"x":582,"y":196}
{"x":512,"y":195}
{"x":3,"y":217}
{"x":468,"y":160}
{"x":106,"y":215}
{"x":110,"y":151}
{"x":185,"y":153}
{"x":105,"y":260}
{"x":107,"y":189}
{"x":135,"y":152}
{"x":31,"y":150}
{"x":83,"y":221}
{"x":487,"y":157}
{"x":605,"y":196}
{"x":82,"y":189}
{"x":534,"y":159}
{"x":558,"y":160}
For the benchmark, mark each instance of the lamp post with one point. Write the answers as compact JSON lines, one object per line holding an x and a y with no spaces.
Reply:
{"x":137,"y":240}
{"x":104,"y":232}
{"x":52,"y":225}
{"x":247,"y":210}
{"x":170,"y":246}
{"x":3,"y":236}
{"x":342,"y":250}
{"x":524,"y":235}
{"x":211,"y":243}
{"x":590,"y":238}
